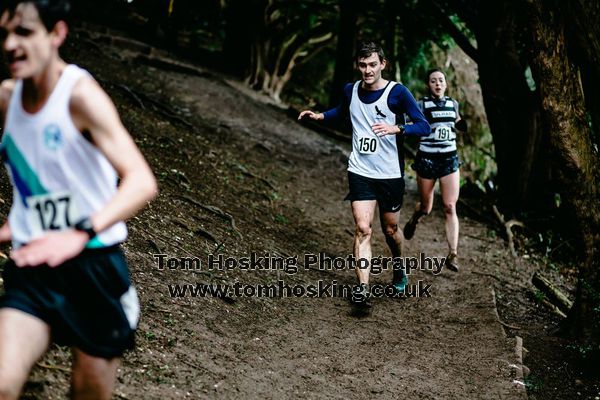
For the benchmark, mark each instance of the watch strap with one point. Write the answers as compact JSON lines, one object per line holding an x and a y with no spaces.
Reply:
{"x":86,"y":225}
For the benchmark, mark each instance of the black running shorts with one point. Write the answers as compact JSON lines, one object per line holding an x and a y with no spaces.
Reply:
{"x":389,"y":193}
{"x":88,"y":301}
{"x":435,"y":166}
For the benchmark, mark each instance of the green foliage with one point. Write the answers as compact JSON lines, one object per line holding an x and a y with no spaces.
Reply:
{"x":275,"y":196}
{"x":538,"y":296}
{"x":583,"y":350}
{"x":280,"y":219}
{"x":311,"y":83}
{"x":557,"y":200}
{"x":533,"y":383}
{"x":426,"y":57}
{"x":592,"y":293}
{"x":478,"y":156}
{"x":529,"y":79}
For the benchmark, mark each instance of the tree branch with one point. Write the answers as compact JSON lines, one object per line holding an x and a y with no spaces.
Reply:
{"x":508,"y":225}
{"x":458,"y":36}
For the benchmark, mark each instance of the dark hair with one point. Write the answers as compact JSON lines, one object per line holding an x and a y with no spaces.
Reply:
{"x":366,"y":48}
{"x":50,"y":11}
{"x":431,"y":71}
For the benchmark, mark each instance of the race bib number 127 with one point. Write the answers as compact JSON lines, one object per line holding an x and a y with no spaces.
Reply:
{"x":51,"y":212}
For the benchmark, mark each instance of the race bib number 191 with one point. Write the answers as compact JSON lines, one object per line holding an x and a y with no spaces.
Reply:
{"x":443,"y":133}
{"x":51,"y":212}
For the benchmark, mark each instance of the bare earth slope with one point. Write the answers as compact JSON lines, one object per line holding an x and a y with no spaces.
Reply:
{"x":237,"y":176}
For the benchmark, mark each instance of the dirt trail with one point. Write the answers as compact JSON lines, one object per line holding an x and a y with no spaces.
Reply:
{"x":283,"y":186}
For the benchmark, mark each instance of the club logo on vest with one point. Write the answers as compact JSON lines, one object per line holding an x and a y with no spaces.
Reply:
{"x":53,"y":137}
{"x":379,"y":113}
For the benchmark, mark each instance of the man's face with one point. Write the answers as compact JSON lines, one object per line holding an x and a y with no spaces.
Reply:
{"x":26,"y":44}
{"x":437,"y":84}
{"x":370,"y":68}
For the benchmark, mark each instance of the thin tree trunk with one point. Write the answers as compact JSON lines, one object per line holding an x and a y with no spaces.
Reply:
{"x":244,"y":26}
{"x":346,"y":40}
{"x":391,"y":42}
{"x":512,"y":110}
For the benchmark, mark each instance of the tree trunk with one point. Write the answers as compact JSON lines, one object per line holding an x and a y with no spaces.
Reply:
{"x":243,"y":27}
{"x":297,"y":52}
{"x":573,"y":157}
{"x":512,"y":110}
{"x":583,"y":35}
{"x":346,"y":41}
{"x":391,"y":42}
{"x":257,"y":76}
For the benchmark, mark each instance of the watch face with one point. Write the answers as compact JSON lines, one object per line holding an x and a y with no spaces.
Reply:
{"x":85,"y":225}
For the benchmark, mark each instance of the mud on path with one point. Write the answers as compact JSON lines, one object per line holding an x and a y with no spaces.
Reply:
{"x":237,"y":176}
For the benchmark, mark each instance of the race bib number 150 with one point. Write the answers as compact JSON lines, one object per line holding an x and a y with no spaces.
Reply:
{"x":367,"y":145}
{"x":51,"y":212}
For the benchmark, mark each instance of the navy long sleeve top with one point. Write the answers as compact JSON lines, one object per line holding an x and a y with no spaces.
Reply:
{"x":400,"y":101}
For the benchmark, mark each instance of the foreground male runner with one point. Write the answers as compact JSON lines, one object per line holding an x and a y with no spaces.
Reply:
{"x":64,"y":148}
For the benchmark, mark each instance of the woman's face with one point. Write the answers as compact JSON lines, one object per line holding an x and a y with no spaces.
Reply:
{"x":437,"y":84}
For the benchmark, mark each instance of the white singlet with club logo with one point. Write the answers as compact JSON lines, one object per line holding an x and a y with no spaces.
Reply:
{"x":58,"y":176}
{"x":373,"y":156}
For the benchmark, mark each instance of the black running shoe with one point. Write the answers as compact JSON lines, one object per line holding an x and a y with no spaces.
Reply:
{"x":410,"y":227}
{"x":452,"y":262}
{"x":360,"y":295}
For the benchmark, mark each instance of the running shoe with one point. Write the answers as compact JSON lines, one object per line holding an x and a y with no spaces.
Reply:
{"x":410,"y":227}
{"x":452,"y":262}
{"x":400,"y":284}
{"x":360,"y":295}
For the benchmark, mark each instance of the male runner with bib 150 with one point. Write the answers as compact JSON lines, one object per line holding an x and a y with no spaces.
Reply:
{"x":376,"y":165}
{"x":64,"y":147}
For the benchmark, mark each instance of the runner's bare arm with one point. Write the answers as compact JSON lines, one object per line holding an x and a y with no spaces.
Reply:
{"x":311,"y":115}
{"x":6,"y":88}
{"x":5,"y":235}
{"x":93,"y":111}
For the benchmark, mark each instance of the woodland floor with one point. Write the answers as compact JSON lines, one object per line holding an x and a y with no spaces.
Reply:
{"x":213,"y":144}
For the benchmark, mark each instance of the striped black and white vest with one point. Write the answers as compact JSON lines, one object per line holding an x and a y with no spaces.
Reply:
{"x":441,"y":115}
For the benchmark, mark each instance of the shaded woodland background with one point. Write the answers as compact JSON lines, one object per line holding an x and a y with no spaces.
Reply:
{"x":526,"y":73}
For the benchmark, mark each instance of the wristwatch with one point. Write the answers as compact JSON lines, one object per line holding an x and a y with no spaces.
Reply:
{"x":85,"y":225}
{"x":402,"y":129}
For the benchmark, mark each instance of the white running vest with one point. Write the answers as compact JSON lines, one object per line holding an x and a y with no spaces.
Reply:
{"x":58,"y":176}
{"x":373,"y":156}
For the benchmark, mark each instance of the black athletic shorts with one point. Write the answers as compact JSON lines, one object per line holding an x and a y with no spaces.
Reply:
{"x":389,"y":193}
{"x":88,"y":301}
{"x":435,"y":165}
